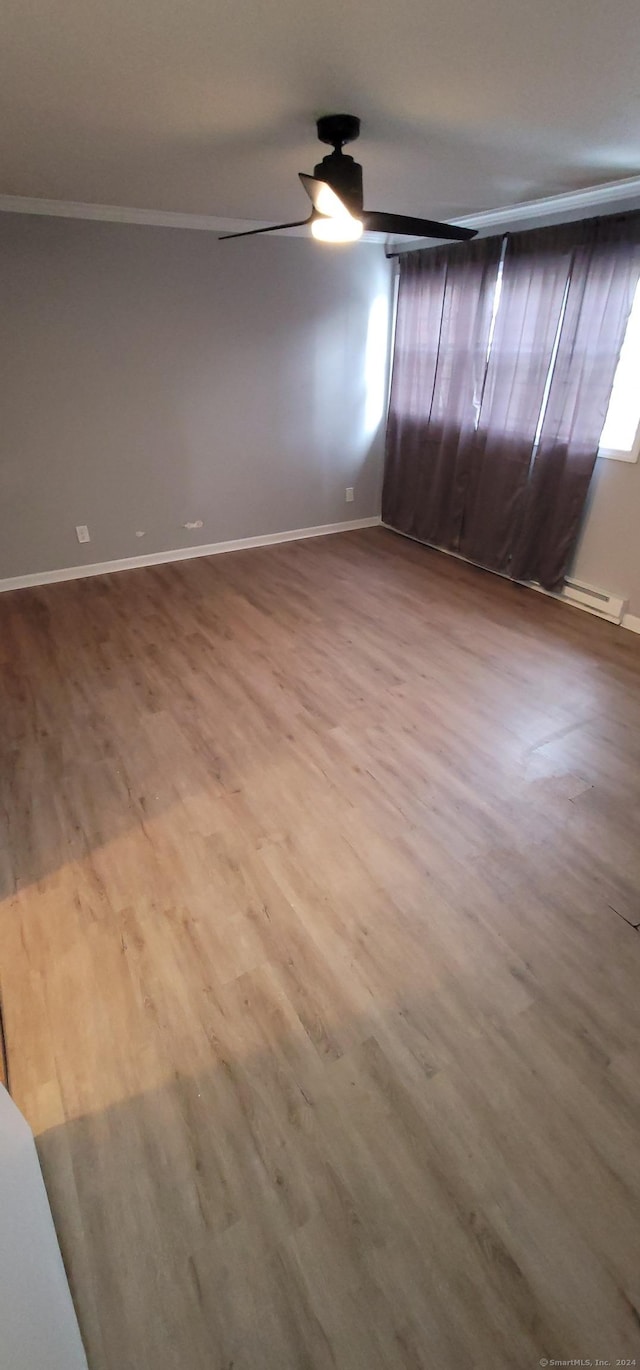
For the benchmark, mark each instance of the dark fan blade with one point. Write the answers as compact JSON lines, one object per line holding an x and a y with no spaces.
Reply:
{"x":380,"y":222}
{"x":323,"y":197}
{"x":271,"y":228}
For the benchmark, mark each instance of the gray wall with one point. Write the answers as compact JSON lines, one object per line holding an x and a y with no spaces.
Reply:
{"x":151,"y":376}
{"x":608,"y":554}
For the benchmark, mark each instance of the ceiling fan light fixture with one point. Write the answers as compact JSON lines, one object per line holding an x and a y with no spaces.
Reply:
{"x":341,"y":229}
{"x":335,"y":191}
{"x":327,"y":202}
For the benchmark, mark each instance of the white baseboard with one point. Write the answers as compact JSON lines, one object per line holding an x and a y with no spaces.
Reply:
{"x":632,"y":622}
{"x":211,"y":549}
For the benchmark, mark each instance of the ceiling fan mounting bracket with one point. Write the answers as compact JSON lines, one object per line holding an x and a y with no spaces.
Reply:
{"x":338,"y":129}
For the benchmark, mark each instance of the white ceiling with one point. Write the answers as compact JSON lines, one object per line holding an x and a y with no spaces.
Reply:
{"x":208,"y":106}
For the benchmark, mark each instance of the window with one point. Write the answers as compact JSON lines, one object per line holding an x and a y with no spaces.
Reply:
{"x":501,"y":387}
{"x":620,"y":437}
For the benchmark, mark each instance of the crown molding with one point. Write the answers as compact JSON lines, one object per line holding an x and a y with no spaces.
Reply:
{"x":121,"y":214}
{"x":612,"y":195}
{"x":609,"y":196}
{"x":157,"y":218}
{"x":569,"y":202}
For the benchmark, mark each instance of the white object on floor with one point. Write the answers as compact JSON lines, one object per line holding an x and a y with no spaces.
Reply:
{"x":38,"y":1327}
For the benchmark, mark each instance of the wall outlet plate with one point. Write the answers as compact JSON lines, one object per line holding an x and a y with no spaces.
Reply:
{"x":82,"y":532}
{"x":348,"y":495}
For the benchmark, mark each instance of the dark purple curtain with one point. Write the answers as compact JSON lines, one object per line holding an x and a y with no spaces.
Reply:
{"x":534,"y":278}
{"x":604,"y":273}
{"x":444,"y":311}
{"x":485,"y":455}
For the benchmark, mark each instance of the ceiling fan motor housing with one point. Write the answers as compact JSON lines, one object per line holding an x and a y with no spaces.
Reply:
{"x":341,"y":172}
{"x":344,"y":176}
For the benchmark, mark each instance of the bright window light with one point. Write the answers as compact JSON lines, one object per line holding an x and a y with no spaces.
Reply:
{"x":375,"y":366}
{"x":620,"y":436}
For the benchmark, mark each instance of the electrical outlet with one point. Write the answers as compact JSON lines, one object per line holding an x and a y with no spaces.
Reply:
{"x":348,"y":495}
{"x":193,"y":523}
{"x":82,"y":532}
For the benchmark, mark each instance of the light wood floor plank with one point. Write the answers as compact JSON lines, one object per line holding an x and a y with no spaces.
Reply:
{"x":319,"y":958}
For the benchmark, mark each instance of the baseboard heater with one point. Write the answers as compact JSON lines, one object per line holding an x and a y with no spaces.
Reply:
{"x":595,"y":601}
{"x":573,"y":592}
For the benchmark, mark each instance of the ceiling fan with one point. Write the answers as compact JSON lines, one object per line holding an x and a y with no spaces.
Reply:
{"x":335,"y":190}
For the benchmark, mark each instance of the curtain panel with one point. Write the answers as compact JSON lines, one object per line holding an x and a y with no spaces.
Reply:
{"x":505,"y":354}
{"x":534,"y":279}
{"x":444,"y":314}
{"x":603,"y":278}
